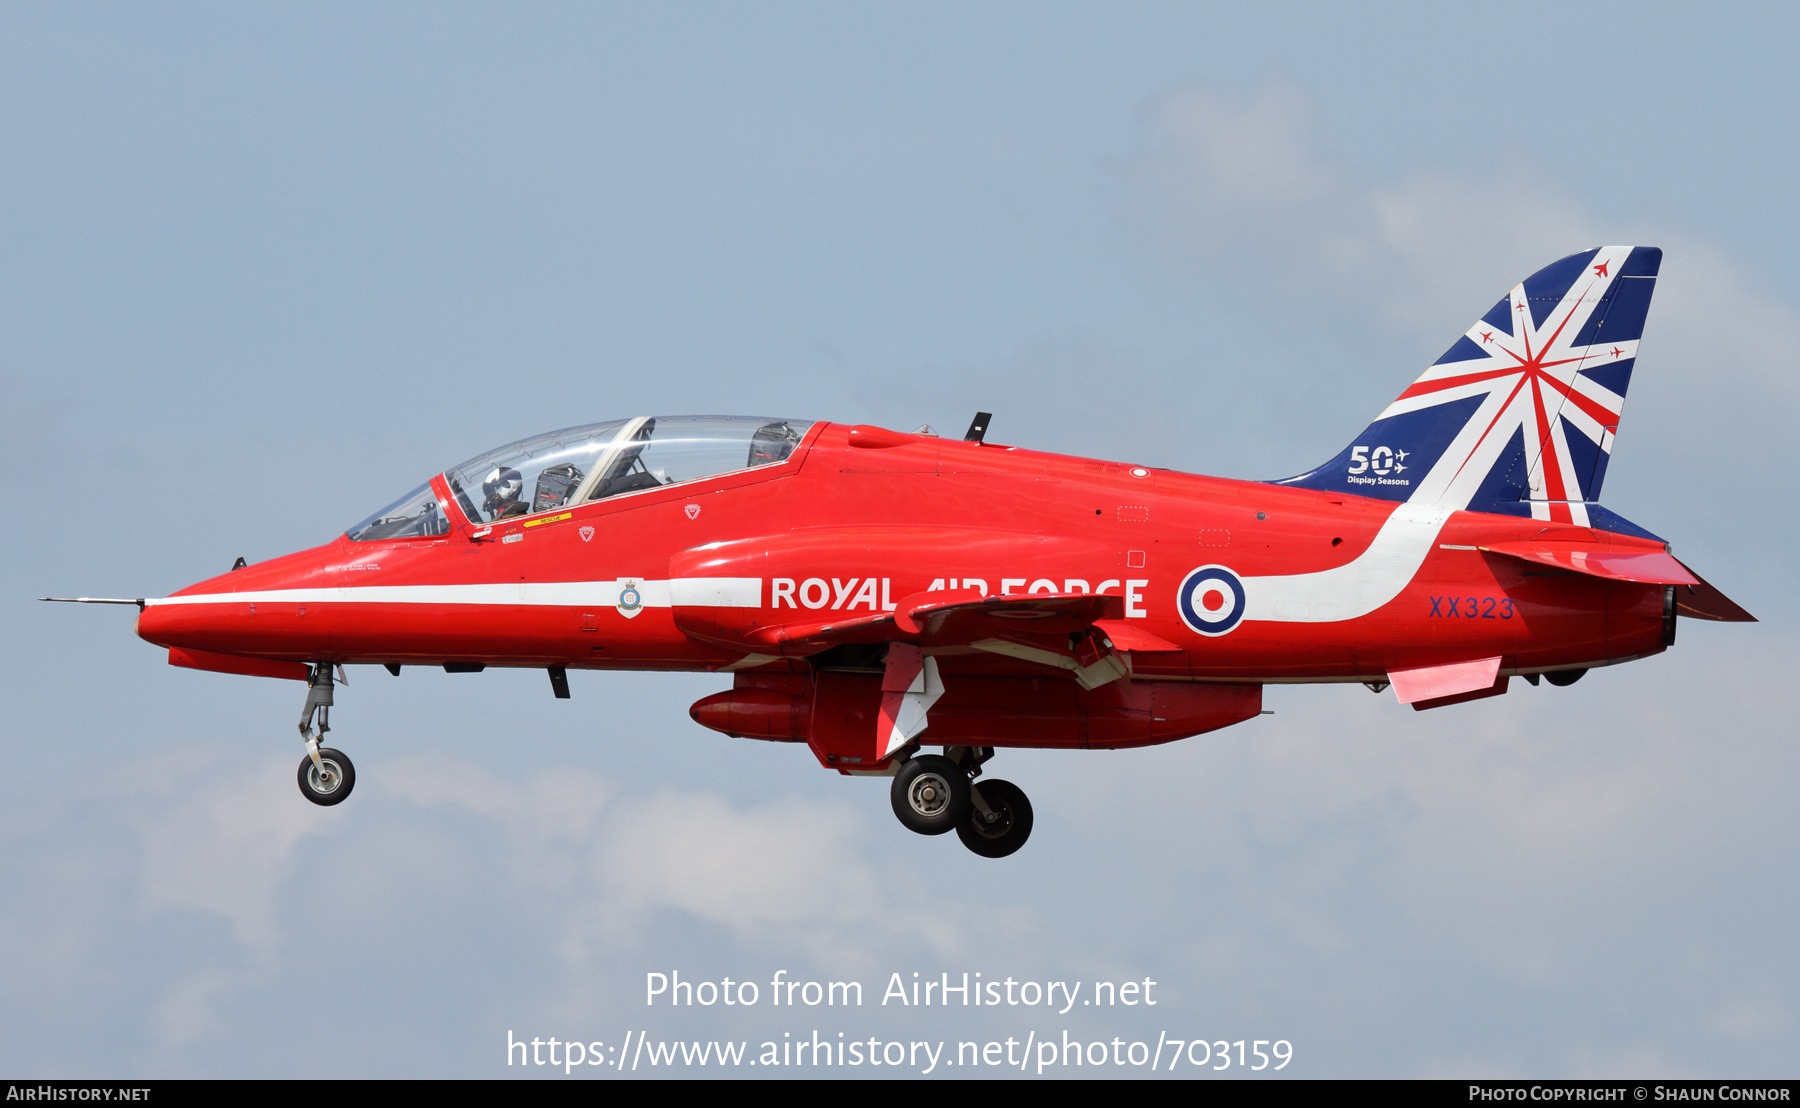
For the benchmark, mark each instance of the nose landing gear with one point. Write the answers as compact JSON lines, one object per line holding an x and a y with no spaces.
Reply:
{"x":325,"y":775}
{"x":932,"y":795}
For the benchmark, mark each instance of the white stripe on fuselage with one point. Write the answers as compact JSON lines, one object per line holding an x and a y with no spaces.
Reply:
{"x":1347,"y":592}
{"x":722,"y":592}
{"x":1353,"y":590}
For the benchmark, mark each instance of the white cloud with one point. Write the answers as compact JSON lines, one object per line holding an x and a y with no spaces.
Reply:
{"x":792,"y":872}
{"x":223,"y":849}
{"x":610,"y":863}
{"x":1242,"y":187}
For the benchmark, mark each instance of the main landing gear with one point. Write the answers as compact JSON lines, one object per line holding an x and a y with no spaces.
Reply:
{"x":326,"y":775}
{"x":932,"y":795}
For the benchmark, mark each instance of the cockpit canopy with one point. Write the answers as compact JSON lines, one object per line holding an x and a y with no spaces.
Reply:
{"x":582,"y":464}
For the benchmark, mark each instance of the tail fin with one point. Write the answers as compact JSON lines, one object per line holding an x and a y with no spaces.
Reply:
{"x":1519,"y":415}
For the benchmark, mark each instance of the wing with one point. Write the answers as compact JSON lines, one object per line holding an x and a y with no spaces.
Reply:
{"x":1079,"y":632}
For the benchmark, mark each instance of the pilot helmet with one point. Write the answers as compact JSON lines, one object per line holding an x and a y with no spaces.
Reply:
{"x":501,"y":487}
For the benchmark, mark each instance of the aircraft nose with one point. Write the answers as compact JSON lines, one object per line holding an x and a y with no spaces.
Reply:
{"x":195,"y":622}
{"x":147,"y":627}
{"x":225,"y":624}
{"x":268,"y":610}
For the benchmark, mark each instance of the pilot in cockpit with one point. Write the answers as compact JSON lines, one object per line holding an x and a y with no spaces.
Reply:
{"x":504,"y":490}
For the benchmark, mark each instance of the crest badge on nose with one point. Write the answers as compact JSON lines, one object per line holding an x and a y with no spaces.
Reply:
{"x":693,"y":511}
{"x":631,"y":601}
{"x":587,"y":533}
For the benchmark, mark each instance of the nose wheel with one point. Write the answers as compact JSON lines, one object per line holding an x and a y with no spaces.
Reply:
{"x":932,"y":795}
{"x":328,"y":779}
{"x":326,"y":775}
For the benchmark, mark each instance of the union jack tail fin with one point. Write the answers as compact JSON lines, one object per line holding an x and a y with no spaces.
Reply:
{"x":1518,"y":417}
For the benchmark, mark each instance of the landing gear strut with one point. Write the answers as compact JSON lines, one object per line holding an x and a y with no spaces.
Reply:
{"x":326,"y":775}
{"x":932,"y":795}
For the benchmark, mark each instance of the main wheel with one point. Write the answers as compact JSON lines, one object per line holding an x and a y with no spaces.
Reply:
{"x":331,"y":786}
{"x":1563,"y":678}
{"x":931,"y":795}
{"x":1007,"y":831}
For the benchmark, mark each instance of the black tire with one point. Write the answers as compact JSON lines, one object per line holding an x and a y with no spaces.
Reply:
{"x":931,"y":795}
{"x":331,"y":790}
{"x":1563,"y":678}
{"x":1010,"y":827}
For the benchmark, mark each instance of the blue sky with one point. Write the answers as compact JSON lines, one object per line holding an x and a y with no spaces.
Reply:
{"x":263,"y":269}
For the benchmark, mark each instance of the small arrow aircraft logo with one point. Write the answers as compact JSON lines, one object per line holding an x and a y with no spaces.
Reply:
{"x":693,"y":511}
{"x":587,"y":533}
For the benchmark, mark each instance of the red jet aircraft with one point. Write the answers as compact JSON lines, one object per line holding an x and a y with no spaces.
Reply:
{"x":871,"y":592}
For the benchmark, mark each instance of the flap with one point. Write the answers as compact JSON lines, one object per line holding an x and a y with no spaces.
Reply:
{"x":1644,"y":566}
{"x":1125,"y":636}
{"x":1429,"y":683}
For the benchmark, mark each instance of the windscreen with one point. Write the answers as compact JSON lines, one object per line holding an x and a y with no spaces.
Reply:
{"x":414,"y":515}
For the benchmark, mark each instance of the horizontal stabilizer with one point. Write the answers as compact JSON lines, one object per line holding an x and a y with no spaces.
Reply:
{"x":1649,"y":567}
{"x":1702,"y":601}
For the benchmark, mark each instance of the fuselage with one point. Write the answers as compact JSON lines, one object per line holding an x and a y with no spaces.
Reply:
{"x":871,"y":593}
{"x":685,"y":576}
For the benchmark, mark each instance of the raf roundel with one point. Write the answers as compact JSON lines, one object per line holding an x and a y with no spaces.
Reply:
{"x":1211,"y":600}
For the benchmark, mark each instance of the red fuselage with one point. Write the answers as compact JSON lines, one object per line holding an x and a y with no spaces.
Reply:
{"x":741,"y":571}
